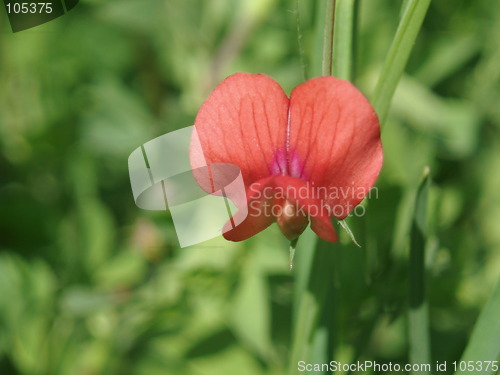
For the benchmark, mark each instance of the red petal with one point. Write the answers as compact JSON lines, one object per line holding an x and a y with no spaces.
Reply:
{"x":267,"y":197}
{"x":336,"y":133}
{"x":322,"y":226}
{"x":243,"y":122}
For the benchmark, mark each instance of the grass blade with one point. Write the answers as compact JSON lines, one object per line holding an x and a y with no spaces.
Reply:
{"x":402,"y":45}
{"x":418,"y":314}
{"x":343,"y":39}
{"x":312,"y":340}
{"x":484,"y":344}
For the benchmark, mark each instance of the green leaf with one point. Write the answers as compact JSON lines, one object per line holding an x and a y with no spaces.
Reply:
{"x":446,"y":58}
{"x":419,"y":314}
{"x":26,"y":308}
{"x":402,"y":45}
{"x":251,"y":314}
{"x":484,"y":344}
{"x":452,"y":122}
{"x":83,"y":301}
{"x":303,"y":259}
{"x":97,"y":232}
{"x":234,"y":360}
{"x":122,"y":271}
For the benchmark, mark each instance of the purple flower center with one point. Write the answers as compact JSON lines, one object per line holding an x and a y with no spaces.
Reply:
{"x":287,"y":164}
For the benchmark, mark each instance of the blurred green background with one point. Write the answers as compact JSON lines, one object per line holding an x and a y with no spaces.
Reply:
{"x":90,"y":284}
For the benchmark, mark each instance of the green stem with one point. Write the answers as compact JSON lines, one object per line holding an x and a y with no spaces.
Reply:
{"x":419,"y":314}
{"x":343,"y":39}
{"x":326,"y":66}
{"x":293,"y":245}
{"x":402,"y":45}
{"x":299,"y":41}
{"x":313,"y":333}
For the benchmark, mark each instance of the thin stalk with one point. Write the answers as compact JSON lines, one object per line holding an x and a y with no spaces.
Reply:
{"x":328,"y":30}
{"x":343,"y":39}
{"x":419,"y":314}
{"x":299,"y":41}
{"x":293,"y":246}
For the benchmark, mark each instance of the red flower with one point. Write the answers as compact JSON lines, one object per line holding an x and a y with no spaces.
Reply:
{"x":310,"y":157}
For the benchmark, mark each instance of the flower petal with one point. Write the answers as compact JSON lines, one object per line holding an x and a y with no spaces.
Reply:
{"x":243,"y":122}
{"x":322,"y":226}
{"x":268,"y":202}
{"x":336,"y":134}
{"x":266,"y":199}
